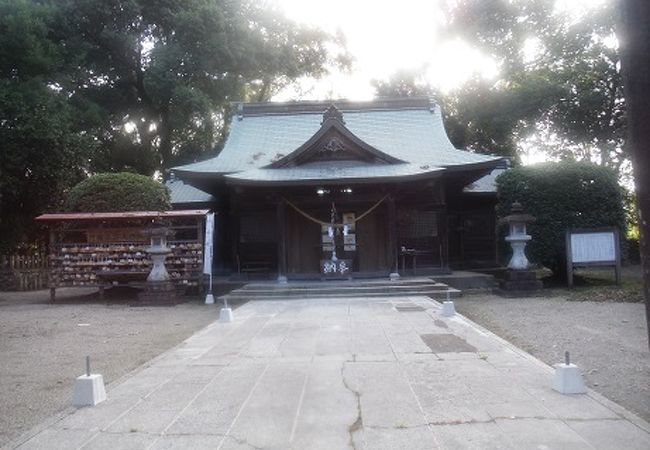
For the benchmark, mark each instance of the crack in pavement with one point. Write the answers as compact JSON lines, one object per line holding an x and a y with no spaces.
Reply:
{"x":242,"y":441}
{"x":475,"y":421}
{"x":358,"y":422}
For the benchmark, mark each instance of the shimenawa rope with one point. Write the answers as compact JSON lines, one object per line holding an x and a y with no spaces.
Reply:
{"x":336,"y":225}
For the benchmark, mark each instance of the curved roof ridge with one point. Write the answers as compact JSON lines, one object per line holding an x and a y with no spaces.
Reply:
{"x":317,"y":107}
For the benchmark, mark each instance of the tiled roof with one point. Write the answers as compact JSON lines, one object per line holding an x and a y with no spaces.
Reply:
{"x":184,"y":193}
{"x":334,"y":171}
{"x":411,"y":131}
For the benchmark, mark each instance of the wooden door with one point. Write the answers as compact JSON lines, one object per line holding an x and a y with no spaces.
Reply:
{"x":303,"y":244}
{"x":372,"y":238}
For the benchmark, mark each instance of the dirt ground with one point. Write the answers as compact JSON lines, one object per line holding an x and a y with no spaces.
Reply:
{"x":43,"y":345}
{"x":607,"y":340}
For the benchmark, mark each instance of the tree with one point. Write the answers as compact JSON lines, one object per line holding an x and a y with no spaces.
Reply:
{"x":635,"y":33}
{"x":91,"y":86}
{"x":161,"y":73}
{"x":404,"y":83}
{"x":43,"y":151}
{"x":479,"y":119}
{"x":561,"y":195}
{"x":122,"y":191}
{"x":559,"y":88}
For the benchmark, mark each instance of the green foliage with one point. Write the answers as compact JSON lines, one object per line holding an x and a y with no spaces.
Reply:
{"x":561,"y":196}
{"x":159,"y":75}
{"x":404,"y":83}
{"x":118,"y":192}
{"x":559,"y":87}
{"x":43,"y":151}
{"x":91,"y":86}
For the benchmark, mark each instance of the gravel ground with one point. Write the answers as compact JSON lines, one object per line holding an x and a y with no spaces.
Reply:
{"x":609,"y":341}
{"x":43,"y":347}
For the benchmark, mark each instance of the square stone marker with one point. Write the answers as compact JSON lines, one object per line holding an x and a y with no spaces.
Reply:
{"x":447,"y":343}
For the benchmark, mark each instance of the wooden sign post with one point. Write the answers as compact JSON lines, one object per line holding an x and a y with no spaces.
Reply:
{"x":593,"y":248}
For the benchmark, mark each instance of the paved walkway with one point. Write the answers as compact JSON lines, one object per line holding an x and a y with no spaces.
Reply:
{"x":341,"y":374}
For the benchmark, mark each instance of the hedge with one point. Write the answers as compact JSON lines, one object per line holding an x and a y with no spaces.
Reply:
{"x":561,"y":195}
{"x":118,"y":192}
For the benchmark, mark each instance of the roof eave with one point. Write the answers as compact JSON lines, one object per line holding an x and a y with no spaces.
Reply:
{"x":490,"y":164}
{"x":334,"y":181}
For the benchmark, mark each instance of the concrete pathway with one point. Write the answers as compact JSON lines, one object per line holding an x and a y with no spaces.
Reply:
{"x":344,"y":374}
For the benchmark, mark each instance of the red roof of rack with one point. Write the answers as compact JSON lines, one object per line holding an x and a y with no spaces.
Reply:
{"x":123,"y":215}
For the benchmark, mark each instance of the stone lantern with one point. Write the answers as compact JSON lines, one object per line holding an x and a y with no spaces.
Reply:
{"x":158,"y":251}
{"x":159,"y":289}
{"x":518,"y":237}
{"x":519,"y":279}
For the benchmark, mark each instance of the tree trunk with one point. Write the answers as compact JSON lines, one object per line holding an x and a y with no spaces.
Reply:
{"x":165,"y":148}
{"x":635,"y":63}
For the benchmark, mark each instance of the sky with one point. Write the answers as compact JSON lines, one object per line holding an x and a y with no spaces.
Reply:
{"x":385,"y":36}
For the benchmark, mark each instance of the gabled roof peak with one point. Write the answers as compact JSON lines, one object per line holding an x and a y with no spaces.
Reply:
{"x":333,"y":113}
{"x":333,"y":141}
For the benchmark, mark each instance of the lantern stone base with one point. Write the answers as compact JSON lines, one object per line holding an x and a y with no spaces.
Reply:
{"x":158,"y":293}
{"x":519,"y":283}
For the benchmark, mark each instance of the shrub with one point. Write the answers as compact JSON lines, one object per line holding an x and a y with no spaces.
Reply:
{"x":118,"y":192}
{"x":561,"y":195}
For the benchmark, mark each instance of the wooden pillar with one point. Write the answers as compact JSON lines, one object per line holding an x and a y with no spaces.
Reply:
{"x":282,"y":241}
{"x":444,"y":229}
{"x":444,"y":239}
{"x":392,"y":236}
{"x":233,"y":226}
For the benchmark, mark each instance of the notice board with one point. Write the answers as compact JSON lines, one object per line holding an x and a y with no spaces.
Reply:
{"x":593,"y":247}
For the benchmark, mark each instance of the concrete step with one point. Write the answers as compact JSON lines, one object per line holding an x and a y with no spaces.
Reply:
{"x":453,"y":293}
{"x":343,"y":289}
{"x":338,"y":284}
{"x":269,"y":291}
{"x":469,"y":281}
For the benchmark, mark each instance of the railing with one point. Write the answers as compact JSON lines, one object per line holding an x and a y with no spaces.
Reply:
{"x":24,"y":272}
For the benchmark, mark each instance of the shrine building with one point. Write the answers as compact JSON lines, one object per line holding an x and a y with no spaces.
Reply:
{"x":309,"y":190}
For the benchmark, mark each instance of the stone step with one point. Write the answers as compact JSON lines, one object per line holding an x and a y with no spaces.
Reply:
{"x":262,"y":291}
{"x":340,"y":284}
{"x":438,"y":295}
{"x":469,"y":281}
{"x":364,"y":293}
{"x":343,"y":290}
